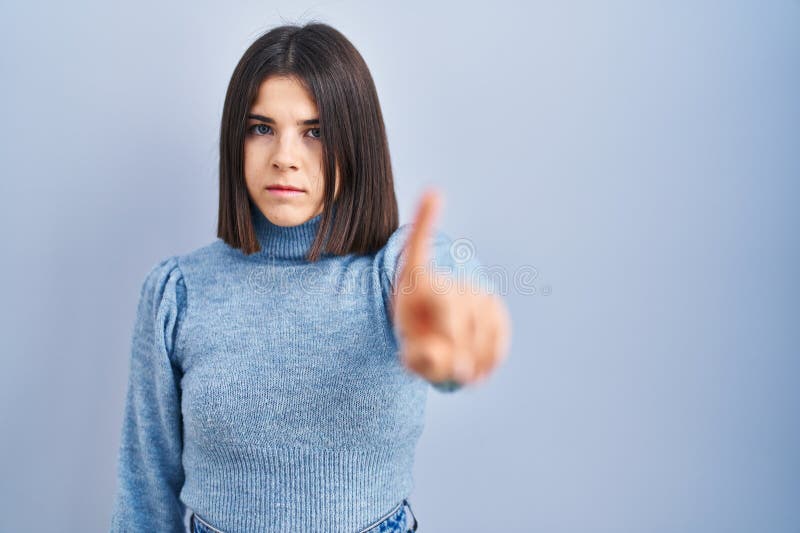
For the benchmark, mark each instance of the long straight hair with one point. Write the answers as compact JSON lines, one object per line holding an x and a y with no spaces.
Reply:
{"x":353,"y":139}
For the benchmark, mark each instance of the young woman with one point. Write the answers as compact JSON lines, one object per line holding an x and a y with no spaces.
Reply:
{"x":278,"y":375}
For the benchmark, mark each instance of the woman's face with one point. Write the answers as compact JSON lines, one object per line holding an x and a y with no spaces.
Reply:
{"x":282,"y":148}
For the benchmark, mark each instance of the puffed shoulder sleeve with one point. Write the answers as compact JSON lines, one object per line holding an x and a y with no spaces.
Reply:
{"x":453,"y":257}
{"x":149,"y":466}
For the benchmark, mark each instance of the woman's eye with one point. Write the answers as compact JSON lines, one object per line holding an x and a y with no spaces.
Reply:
{"x":263,"y":129}
{"x":258,"y":129}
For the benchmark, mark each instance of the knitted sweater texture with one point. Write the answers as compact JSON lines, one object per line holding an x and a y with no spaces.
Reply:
{"x":266,"y":392}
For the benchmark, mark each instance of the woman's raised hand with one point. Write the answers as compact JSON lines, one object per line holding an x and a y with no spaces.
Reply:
{"x":447,"y":330}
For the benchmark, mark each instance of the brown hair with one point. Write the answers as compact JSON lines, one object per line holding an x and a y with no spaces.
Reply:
{"x":352,"y":132}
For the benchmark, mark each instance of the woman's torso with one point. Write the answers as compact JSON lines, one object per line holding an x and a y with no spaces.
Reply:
{"x":295,"y":405}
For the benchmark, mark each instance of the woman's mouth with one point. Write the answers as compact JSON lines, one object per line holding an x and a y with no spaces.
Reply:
{"x":284,"y":190}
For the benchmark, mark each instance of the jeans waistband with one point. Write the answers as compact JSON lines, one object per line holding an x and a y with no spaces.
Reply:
{"x":205,"y":524}
{"x":409,"y":515}
{"x":384,"y":518}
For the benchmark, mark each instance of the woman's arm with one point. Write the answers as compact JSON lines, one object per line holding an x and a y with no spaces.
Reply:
{"x":447,"y":330}
{"x":149,"y":470}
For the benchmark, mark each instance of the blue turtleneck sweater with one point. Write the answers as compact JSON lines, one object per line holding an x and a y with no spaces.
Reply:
{"x":265,"y":392}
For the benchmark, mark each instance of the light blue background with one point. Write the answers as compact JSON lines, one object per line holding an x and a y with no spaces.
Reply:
{"x":643,"y":157}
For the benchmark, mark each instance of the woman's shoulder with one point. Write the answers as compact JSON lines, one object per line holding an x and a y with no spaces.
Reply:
{"x":212,"y":256}
{"x":171,"y":270}
{"x":164,"y":272}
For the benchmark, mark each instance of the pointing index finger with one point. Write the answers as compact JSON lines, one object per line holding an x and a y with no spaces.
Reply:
{"x":420,"y":237}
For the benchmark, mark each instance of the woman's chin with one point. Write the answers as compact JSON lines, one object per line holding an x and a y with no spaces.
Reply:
{"x":288,"y":217}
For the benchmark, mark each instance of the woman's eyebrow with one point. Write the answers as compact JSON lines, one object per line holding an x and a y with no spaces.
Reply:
{"x":268,"y":120}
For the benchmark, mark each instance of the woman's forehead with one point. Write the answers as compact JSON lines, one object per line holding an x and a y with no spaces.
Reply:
{"x":284,"y":99}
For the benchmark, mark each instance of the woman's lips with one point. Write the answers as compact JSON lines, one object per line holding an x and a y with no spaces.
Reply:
{"x":284,"y":191}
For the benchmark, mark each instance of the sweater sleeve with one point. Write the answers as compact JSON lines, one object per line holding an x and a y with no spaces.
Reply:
{"x":456,"y":258}
{"x":149,"y":466}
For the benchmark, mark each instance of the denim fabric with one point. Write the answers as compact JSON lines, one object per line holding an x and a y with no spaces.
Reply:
{"x":400,"y":520}
{"x":198,"y":525}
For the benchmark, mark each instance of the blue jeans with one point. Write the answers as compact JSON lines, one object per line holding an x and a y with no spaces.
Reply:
{"x":397,"y":521}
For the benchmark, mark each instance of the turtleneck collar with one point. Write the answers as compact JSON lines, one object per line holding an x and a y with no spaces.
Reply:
{"x":285,"y":242}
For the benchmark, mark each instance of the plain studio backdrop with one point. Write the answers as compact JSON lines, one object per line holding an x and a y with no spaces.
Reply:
{"x":633,"y":167}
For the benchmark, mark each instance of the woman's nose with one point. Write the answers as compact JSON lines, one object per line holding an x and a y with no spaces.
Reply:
{"x":285,"y":156}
